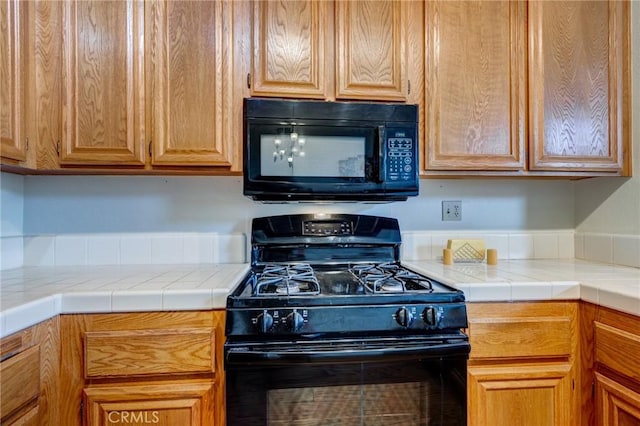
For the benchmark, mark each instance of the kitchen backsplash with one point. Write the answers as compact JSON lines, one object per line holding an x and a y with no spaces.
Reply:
{"x":134,"y":248}
{"x":191,"y":248}
{"x":608,"y":248}
{"x":559,"y":244}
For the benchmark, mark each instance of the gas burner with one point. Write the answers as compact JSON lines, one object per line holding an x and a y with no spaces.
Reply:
{"x":374,"y":269}
{"x":390,"y":278}
{"x":277,"y":279}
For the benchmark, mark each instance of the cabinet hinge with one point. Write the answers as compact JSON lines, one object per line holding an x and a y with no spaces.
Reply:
{"x":82,"y":411}
{"x":593,"y":389}
{"x":58,"y":148}
{"x":408,"y":87}
{"x":248,"y":80}
{"x":150,"y":148}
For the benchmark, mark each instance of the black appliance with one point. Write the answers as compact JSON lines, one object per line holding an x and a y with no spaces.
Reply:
{"x":329,"y":327}
{"x":298,"y":150}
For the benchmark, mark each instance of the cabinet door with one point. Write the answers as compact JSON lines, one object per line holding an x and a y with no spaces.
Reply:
{"x":103,"y":90}
{"x":475,"y":85}
{"x":12,"y":79}
{"x":291,"y":48}
{"x":524,"y":395}
{"x":371,"y":57}
{"x":578,"y":85}
{"x":186,"y":404}
{"x":190,"y":90}
{"x":616,"y":404}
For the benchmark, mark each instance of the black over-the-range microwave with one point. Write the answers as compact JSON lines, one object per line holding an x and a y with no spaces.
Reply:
{"x":299,"y":150}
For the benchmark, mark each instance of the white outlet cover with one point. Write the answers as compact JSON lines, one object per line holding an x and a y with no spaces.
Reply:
{"x":452,"y":210}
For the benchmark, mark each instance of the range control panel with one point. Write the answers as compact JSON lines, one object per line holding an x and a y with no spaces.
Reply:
{"x":325,"y":228}
{"x":340,"y":319}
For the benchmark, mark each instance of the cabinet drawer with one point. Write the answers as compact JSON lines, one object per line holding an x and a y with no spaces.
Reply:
{"x":618,"y":350}
{"x":520,"y":337}
{"x":148,"y":352}
{"x":20,"y":376}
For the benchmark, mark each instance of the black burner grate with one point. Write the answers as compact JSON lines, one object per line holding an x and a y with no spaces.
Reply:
{"x":390,"y":278}
{"x":286,"y":280}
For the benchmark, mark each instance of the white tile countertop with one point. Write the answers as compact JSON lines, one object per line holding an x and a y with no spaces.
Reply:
{"x":616,"y":287}
{"x":32,"y":294}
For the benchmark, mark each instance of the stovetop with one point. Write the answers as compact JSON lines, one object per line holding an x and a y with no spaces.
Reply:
{"x":305,"y":280}
{"x":336,"y":274}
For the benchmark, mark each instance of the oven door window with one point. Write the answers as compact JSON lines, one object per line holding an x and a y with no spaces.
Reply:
{"x":313,"y":153}
{"x":419,"y":392}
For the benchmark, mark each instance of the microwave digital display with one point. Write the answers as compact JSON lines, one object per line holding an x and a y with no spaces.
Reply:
{"x":311,"y":156}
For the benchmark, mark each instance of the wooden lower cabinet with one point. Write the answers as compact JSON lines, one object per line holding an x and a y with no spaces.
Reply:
{"x":616,"y":341}
{"x":523,"y":365}
{"x":617,"y":404}
{"x":535,"y":395}
{"x":162,"y":368}
{"x":29,"y":376}
{"x":185,"y":404}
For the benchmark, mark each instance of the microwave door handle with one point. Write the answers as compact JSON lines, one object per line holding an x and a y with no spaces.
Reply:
{"x":382,"y":158}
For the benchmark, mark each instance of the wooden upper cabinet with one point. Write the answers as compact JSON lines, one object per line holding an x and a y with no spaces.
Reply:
{"x":12,"y":79}
{"x":475,"y":85}
{"x":579,"y":85}
{"x":290,"y":49}
{"x":103,"y":86}
{"x":189,"y":97}
{"x":371,"y":57}
{"x":330,"y":50}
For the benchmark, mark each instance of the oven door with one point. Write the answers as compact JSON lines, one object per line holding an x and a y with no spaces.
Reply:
{"x":417,"y":380}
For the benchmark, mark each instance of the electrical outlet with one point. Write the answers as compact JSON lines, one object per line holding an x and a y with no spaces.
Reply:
{"x":451,"y":210}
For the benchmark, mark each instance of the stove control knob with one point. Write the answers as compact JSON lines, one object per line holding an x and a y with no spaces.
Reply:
{"x":404,"y":317}
{"x":294,"y":321}
{"x":264,"y":321}
{"x":430,"y":316}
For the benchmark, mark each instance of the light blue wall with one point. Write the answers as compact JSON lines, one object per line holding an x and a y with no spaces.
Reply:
{"x":11,"y":205}
{"x":613,"y":205}
{"x":86,"y":204}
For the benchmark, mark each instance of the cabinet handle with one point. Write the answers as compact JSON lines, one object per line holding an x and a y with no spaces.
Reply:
{"x":249,"y":80}
{"x":408,"y":87}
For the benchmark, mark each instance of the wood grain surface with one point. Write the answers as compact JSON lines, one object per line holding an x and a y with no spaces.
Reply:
{"x":475,"y":78}
{"x":13,"y":26}
{"x":104,"y":86}
{"x":576,"y":107}
{"x":190,"y":90}
{"x":291,"y":41}
{"x":371,"y":43}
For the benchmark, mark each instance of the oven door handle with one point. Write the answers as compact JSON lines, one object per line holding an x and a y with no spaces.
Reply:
{"x":248,"y":356}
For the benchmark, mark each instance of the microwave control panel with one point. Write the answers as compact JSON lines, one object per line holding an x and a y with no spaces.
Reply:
{"x":402,"y":163}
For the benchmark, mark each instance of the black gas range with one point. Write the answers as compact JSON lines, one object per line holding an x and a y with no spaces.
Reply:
{"x":336,"y":276}
{"x":328,"y":327}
